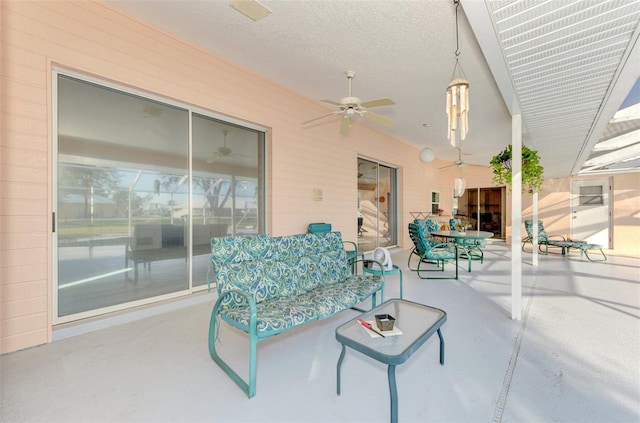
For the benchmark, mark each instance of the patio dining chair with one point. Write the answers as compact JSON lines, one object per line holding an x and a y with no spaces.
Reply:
{"x":430,"y":225}
{"x":471,"y":248}
{"x":430,"y":253}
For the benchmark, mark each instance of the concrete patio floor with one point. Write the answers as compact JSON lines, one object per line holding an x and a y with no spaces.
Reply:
{"x":574,"y":357}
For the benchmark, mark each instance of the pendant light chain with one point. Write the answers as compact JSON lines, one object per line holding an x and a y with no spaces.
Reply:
{"x":458,"y":65}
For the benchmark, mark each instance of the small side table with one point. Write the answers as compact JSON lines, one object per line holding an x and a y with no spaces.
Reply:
{"x":417,"y":323}
{"x":376,"y":271}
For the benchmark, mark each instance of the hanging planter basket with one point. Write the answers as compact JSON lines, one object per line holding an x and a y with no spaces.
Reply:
{"x":532,"y":171}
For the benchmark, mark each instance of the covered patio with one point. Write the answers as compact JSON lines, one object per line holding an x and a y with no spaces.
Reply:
{"x":572,"y":358}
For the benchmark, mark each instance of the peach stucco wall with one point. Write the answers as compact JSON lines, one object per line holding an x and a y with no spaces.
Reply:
{"x":93,"y":39}
{"x":554,"y":208}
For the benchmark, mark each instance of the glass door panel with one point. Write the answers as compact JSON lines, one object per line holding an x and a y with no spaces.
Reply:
{"x":484,"y":209}
{"x":226,"y":188}
{"x":377,"y":205}
{"x":122,"y":201}
{"x":141,"y":187}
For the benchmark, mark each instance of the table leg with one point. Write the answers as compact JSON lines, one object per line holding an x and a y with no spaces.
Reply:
{"x":393,"y":391}
{"x":441,"y":347}
{"x":340,"y":364}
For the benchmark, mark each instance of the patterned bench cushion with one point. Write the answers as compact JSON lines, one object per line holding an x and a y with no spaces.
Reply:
{"x":292,"y":279}
{"x":284,"y":313}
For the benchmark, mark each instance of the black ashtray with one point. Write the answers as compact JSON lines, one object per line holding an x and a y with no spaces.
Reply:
{"x":385,"y":321}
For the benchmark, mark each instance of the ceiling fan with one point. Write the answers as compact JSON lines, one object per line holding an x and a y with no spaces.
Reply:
{"x":350,"y":106}
{"x":224,"y":151}
{"x":362,"y":177}
{"x":459,"y":163}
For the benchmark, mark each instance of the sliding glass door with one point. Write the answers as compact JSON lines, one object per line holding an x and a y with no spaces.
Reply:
{"x":377,"y":205}
{"x":484,"y":209}
{"x":141,"y":187}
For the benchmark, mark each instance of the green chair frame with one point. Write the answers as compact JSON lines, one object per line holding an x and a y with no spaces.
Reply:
{"x":430,"y":253}
{"x":544,"y":240}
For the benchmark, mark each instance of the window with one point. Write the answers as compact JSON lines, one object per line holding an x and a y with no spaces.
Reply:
{"x":591,"y":196}
{"x":435,"y":202}
{"x":142,"y":186}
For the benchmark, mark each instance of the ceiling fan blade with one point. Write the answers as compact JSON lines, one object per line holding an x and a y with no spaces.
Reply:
{"x":331,"y":102}
{"x":446,"y":167}
{"x":476,"y":165}
{"x":378,"y":118}
{"x":378,"y":102}
{"x":323,"y":116}
{"x":346,"y":124}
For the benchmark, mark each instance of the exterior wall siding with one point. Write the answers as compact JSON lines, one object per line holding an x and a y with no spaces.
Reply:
{"x":94,"y":39}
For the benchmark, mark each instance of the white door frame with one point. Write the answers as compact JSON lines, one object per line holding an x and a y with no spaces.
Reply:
{"x":607,"y":183}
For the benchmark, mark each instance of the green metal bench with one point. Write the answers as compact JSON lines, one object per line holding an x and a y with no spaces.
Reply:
{"x":269,"y":285}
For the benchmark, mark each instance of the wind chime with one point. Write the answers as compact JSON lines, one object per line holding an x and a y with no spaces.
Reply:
{"x":457,"y":96}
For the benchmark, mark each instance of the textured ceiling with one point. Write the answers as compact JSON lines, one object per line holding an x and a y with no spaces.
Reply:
{"x":560,"y":63}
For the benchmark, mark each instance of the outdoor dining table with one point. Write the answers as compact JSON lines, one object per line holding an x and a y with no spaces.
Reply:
{"x":468,"y":241}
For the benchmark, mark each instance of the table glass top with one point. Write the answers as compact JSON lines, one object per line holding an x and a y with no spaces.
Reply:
{"x":467,"y":234}
{"x":416,"y":321}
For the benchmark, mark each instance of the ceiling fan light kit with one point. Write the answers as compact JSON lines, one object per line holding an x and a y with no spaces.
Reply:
{"x":349,"y":106}
{"x":457,"y":96}
{"x":459,"y":187}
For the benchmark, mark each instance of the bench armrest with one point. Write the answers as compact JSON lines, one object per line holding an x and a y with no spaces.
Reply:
{"x":376,"y":262}
{"x":355,"y":246}
{"x":253,"y":310}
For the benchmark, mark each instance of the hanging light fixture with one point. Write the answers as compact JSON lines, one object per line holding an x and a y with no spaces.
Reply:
{"x":427,"y":155}
{"x":457,"y":96}
{"x":458,"y":187}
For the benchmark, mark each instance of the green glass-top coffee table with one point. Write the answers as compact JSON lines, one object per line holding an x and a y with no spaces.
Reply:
{"x":417,"y":323}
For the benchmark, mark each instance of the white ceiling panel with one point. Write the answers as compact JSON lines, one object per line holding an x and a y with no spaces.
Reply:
{"x":565,"y":65}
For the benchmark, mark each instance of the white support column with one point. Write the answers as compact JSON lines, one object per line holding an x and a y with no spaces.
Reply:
{"x":534,"y":241}
{"x":516,"y":217}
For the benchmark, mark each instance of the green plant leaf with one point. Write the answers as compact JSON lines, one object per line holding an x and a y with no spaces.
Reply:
{"x":532,"y":171}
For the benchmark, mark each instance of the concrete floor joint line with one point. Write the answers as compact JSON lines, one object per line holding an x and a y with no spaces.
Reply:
{"x":502,"y":399}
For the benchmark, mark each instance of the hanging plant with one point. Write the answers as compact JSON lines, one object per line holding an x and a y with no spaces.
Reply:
{"x":532,"y":178}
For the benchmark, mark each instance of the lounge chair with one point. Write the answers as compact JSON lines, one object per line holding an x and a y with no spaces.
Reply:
{"x":560,"y":241}
{"x":544,"y":239}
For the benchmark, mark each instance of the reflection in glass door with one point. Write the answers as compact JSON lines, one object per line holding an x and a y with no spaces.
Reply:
{"x":377,"y":205}
{"x":484,"y":209}
{"x":135,"y":206}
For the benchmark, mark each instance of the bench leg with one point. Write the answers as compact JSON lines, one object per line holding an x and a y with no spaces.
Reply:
{"x":250,"y":388}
